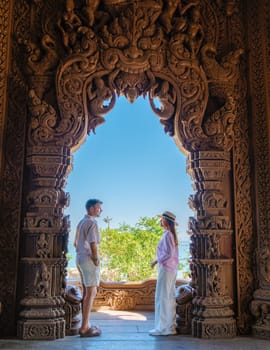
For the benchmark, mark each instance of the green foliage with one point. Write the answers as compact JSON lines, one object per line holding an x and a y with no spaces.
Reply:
{"x":127,"y":252}
{"x":68,"y":256}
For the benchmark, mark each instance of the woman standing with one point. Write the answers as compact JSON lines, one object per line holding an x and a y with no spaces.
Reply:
{"x":167,"y":260}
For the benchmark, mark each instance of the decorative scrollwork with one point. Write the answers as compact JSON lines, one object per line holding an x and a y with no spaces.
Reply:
{"x":220,"y":113}
{"x":39,"y":58}
{"x":43,"y":120}
{"x":166,"y":95}
{"x":101,"y":99}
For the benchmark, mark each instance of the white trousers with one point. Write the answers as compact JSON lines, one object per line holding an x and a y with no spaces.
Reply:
{"x":165,"y":302}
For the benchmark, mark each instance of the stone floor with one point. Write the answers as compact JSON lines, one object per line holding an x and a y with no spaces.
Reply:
{"x":123,"y":330}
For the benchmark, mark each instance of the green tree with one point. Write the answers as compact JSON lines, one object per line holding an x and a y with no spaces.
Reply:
{"x":149,"y":224}
{"x":126,"y":252}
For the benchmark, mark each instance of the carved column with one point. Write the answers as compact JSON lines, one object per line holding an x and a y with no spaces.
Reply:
{"x":211,"y":248}
{"x":44,"y":245}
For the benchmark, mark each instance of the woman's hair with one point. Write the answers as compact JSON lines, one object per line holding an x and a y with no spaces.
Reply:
{"x":171,"y":226}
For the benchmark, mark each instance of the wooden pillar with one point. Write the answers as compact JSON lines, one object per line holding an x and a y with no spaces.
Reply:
{"x":44,"y":245}
{"x":212,"y":245}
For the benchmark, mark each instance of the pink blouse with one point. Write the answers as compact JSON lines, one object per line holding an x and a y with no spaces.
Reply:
{"x":167,"y":252}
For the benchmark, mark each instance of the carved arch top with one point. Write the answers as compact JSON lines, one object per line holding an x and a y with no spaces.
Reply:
{"x":161,"y":49}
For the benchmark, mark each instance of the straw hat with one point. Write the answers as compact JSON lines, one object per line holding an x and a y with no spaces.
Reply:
{"x":169,"y":216}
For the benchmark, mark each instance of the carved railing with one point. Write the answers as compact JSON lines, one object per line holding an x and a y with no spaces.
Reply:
{"x":125,"y":295}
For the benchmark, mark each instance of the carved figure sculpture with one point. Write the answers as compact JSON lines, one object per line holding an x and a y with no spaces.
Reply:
{"x":195,"y":33}
{"x":42,"y":58}
{"x":43,"y":250}
{"x":68,"y":25}
{"x":213,"y":280}
{"x":224,"y":73}
{"x":72,"y":307}
{"x":90,"y":9}
{"x":42,"y":281}
{"x":213,"y":246}
{"x":184,"y":308}
{"x":167,"y":14}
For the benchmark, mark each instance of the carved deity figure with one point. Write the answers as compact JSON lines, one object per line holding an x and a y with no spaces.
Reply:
{"x":213,"y":246}
{"x":42,"y":281}
{"x":68,"y":25}
{"x":93,"y":15}
{"x":43,"y":250}
{"x":195,"y":32}
{"x":213,"y":280}
{"x":90,"y":9}
{"x":166,"y":17}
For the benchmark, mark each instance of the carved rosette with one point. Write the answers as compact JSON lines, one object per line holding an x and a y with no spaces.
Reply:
{"x":211,"y":247}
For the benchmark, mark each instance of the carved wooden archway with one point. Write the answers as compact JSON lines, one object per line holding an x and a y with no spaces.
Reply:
{"x":78,"y":60}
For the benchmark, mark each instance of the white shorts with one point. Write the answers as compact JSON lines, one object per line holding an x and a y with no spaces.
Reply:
{"x":90,"y":273}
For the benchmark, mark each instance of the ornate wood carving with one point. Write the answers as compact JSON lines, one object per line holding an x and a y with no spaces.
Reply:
{"x":4,"y":27}
{"x":171,"y":56}
{"x":72,"y":309}
{"x":211,"y":248}
{"x":260,"y":60}
{"x":184,"y":308}
{"x":12,"y":138}
{"x":244,"y":235}
{"x":126,"y":295}
{"x":75,"y":59}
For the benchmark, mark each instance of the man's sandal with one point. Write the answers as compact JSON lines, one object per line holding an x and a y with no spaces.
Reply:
{"x":91,"y":332}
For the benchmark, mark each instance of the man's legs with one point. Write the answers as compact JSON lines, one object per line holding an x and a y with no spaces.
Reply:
{"x":88,"y":300}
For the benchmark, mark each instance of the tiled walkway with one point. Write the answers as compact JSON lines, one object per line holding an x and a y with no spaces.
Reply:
{"x":123,"y":330}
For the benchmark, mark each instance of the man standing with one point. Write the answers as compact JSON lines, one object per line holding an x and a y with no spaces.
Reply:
{"x":86,"y":243}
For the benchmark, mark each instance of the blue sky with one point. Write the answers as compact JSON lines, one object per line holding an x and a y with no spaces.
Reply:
{"x":133,"y":167}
